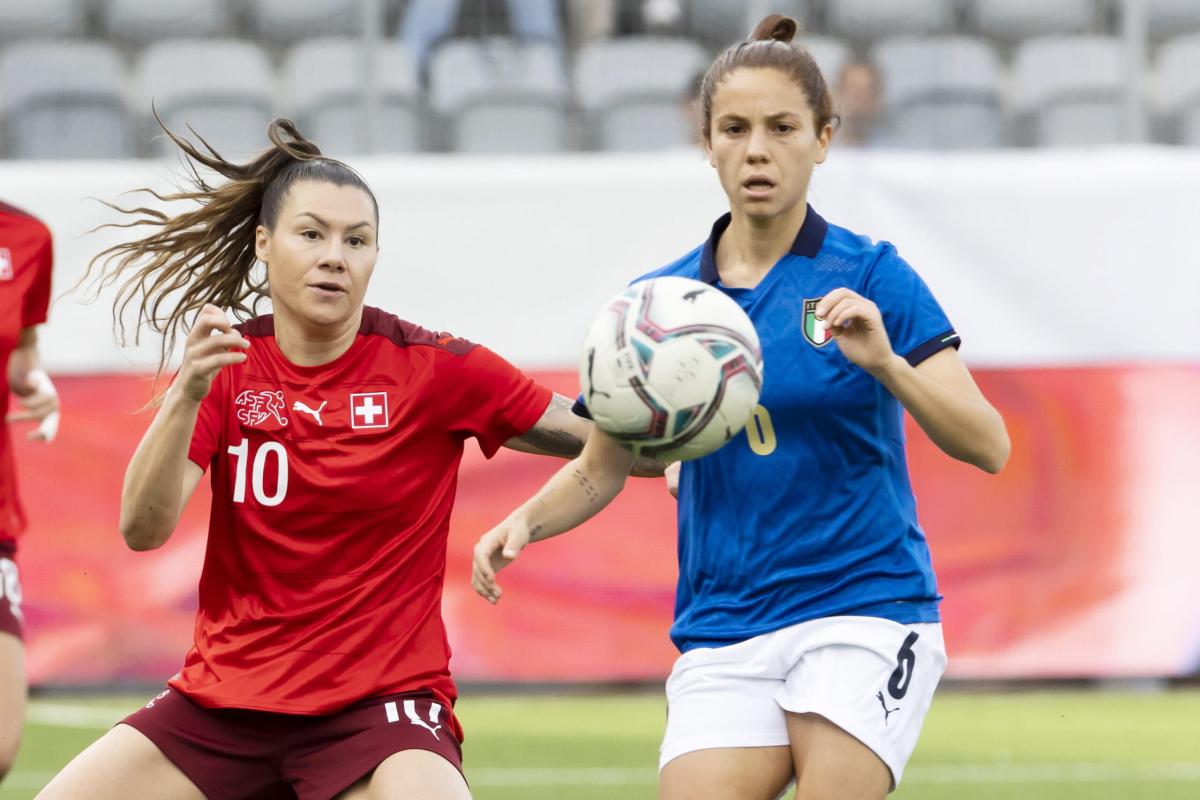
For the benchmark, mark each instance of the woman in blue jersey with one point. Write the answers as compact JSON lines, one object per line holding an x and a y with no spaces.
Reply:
{"x":807,"y":610}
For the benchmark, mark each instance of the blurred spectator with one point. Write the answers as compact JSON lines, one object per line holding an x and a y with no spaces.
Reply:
{"x":589,"y":20}
{"x":858,"y":95}
{"x":427,"y":22}
{"x":601,"y":19}
{"x":661,"y":16}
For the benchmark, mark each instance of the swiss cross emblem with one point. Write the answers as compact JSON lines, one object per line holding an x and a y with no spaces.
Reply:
{"x":255,"y":408}
{"x":369,"y":410}
{"x":6,"y":264}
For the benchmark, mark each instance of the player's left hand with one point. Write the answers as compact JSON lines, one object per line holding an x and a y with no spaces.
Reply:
{"x":857,"y":326}
{"x":39,"y":405}
{"x":494,"y":551}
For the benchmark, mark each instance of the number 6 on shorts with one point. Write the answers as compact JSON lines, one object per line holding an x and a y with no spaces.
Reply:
{"x":906,"y":659}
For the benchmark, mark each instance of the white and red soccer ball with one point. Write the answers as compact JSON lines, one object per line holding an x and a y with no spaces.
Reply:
{"x":671,"y":368}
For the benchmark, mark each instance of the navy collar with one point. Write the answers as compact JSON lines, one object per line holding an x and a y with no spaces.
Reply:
{"x":808,"y":242}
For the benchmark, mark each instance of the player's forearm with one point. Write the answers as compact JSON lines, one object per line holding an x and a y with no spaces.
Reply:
{"x":575,"y":494}
{"x":23,"y":361}
{"x":559,"y":432}
{"x":965,"y":427}
{"x":151,"y":499}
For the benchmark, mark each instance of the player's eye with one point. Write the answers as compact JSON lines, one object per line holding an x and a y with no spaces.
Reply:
{"x":785,"y":127}
{"x":310,"y":234}
{"x":734,"y":129}
{"x":356,"y":241}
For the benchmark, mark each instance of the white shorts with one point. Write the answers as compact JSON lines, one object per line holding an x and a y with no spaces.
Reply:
{"x":871,"y":677}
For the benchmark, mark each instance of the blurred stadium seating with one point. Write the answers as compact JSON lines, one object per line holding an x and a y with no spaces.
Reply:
{"x":943,"y":92}
{"x":323,"y":83}
{"x":528,"y":76}
{"x":1179,"y":90}
{"x":63,"y":100}
{"x":1013,"y":20}
{"x":500,"y":95}
{"x":1069,"y":90}
{"x":224,"y":89}
{"x":633,"y":90}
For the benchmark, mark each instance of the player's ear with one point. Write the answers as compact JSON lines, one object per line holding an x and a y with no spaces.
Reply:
{"x":261,"y":238}
{"x":823,"y":143}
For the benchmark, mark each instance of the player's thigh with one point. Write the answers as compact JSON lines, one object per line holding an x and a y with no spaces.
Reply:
{"x":856,"y":702}
{"x":121,"y":764}
{"x":831,"y":764}
{"x":12,"y":698}
{"x":726,"y":736}
{"x":727,"y":773}
{"x":411,"y":775}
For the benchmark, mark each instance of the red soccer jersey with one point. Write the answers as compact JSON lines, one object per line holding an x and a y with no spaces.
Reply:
{"x":25,"y":262}
{"x":332,"y":489}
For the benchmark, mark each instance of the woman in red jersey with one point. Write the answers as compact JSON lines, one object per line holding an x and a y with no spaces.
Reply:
{"x":25,"y":265}
{"x":333,"y":432}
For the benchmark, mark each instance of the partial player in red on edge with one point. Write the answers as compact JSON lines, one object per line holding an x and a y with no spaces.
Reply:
{"x":26,"y":259}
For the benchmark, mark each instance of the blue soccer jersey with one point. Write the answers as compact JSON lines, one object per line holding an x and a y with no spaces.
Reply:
{"x":809,"y":512}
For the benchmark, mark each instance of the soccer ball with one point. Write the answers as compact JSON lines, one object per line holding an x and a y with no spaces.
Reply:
{"x":671,"y":368}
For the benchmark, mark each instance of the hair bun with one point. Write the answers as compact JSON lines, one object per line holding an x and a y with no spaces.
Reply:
{"x":776,"y":27}
{"x":285,"y":136}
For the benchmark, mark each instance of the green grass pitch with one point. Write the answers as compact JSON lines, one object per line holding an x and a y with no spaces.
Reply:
{"x":1067,"y":745}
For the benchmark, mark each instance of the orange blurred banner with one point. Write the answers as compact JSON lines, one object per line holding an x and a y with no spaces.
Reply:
{"x":1077,"y":561}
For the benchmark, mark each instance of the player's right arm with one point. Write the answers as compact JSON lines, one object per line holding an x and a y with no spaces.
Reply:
{"x":573,"y":495}
{"x":160,"y":478}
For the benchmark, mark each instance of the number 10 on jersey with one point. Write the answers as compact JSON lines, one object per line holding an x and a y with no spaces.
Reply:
{"x":241,"y":453}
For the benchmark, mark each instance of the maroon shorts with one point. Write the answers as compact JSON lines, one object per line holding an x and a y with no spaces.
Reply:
{"x":11,"y":620}
{"x":234,"y":754}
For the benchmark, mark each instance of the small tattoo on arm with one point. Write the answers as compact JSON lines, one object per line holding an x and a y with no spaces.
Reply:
{"x":555,"y":441}
{"x":586,"y":484}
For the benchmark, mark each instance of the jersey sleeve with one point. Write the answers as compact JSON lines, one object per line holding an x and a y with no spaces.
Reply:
{"x":35,"y":305}
{"x":915,"y":322}
{"x":492,"y":400}
{"x":206,"y":436}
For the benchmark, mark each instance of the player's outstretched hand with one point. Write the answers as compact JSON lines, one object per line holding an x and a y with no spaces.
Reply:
{"x":39,"y":405}
{"x":857,"y":325}
{"x":212,"y":345}
{"x":494,"y":551}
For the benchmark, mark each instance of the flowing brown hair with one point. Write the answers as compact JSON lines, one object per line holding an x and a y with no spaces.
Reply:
{"x":770,"y":46}
{"x":207,"y":254}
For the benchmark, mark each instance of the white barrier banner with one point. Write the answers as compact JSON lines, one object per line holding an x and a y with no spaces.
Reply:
{"x":1039,"y":257}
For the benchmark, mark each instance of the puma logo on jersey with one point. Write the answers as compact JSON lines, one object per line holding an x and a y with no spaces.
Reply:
{"x":315,"y":413}
{"x":887,"y":712}
{"x":410,"y":711}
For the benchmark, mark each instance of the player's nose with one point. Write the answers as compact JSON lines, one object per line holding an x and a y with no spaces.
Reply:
{"x":334,"y":257}
{"x":757,"y":151}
